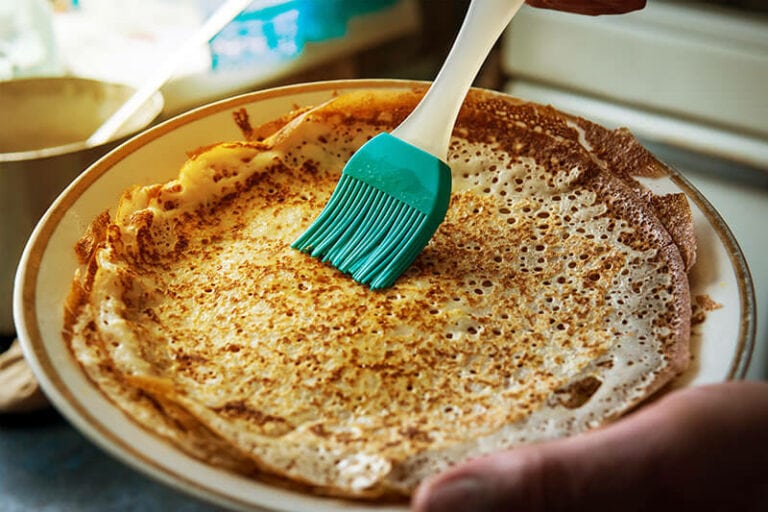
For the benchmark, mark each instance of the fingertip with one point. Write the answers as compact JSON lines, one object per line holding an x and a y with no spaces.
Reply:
{"x":492,"y":482}
{"x":419,"y":500}
{"x":466,"y":492}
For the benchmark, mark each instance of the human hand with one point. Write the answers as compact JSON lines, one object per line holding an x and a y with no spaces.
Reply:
{"x":593,"y":7}
{"x":701,"y":448}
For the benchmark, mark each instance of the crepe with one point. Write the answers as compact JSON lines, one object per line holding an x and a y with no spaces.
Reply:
{"x":552,"y":299}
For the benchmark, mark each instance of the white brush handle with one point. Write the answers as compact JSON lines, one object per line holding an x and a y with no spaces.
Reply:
{"x":430,"y":125}
{"x":212,"y":26}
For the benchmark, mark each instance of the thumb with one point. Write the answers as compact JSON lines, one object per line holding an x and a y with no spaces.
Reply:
{"x":591,"y":469}
{"x":702,"y":448}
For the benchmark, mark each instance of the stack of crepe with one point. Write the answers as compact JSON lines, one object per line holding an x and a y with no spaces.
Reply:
{"x":553,"y":299}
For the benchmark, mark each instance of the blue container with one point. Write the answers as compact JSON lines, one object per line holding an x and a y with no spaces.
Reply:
{"x":278,"y":32}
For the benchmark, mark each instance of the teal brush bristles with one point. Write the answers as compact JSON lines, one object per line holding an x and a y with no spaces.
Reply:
{"x":390,"y":200}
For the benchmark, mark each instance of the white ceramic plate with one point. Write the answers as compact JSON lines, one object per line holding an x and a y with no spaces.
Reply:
{"x":722,"y":345}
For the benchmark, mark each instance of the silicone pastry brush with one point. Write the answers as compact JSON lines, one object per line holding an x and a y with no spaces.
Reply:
{"x":394,"y":191}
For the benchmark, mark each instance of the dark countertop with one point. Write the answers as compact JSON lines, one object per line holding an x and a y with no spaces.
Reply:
{"x":45,"y":464}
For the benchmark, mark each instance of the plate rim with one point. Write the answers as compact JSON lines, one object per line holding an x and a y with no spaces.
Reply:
{"x":748,"y":321}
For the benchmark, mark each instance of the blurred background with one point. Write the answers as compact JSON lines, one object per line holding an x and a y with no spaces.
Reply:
{"x":688,"y":77}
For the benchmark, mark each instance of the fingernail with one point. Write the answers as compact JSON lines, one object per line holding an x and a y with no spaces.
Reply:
{"x":468,"y":494}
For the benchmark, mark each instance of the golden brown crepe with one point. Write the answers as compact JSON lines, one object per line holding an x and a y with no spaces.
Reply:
{"x":551,"y":300}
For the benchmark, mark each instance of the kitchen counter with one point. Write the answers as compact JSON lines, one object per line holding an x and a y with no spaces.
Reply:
{"x":45,"y":464}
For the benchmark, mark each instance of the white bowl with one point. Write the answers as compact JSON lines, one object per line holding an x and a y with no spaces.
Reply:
{"x":722,"y":345}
